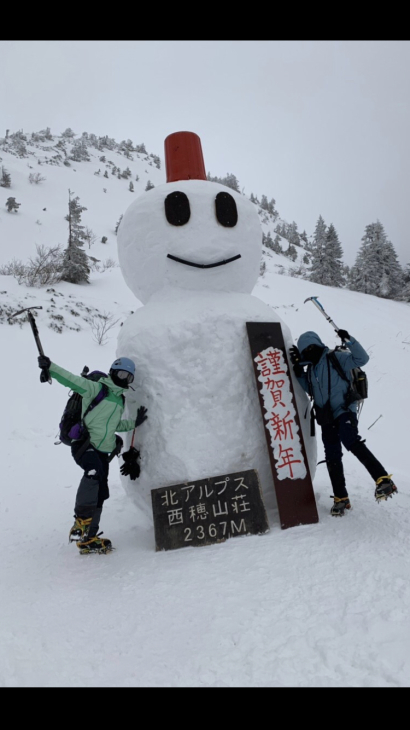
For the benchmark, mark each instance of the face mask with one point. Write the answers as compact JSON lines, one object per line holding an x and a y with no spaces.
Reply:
{"x":312,"y":354}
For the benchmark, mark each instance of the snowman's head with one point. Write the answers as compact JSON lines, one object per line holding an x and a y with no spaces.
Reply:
{"x":189,"y":233}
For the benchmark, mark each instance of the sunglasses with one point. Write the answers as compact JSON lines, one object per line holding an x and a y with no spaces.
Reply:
{"x":124,"y":375}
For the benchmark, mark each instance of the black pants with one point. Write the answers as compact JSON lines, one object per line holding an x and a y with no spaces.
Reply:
{"x":93,"y":488}
{"x":344,"y":430}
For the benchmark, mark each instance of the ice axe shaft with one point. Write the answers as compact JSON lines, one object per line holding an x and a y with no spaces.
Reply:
{"x":44,"y":375}
{"x":321,"y":309}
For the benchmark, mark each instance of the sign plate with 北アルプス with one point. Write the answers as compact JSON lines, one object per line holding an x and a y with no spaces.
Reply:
{"x":208,"y":510}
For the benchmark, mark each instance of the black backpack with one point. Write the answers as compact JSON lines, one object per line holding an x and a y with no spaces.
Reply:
{"x":72,"y":426}
{"x":359,"y":386}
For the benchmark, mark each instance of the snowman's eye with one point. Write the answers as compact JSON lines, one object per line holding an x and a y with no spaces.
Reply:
{"x":226,"y":210}
{"x":177,"y":208}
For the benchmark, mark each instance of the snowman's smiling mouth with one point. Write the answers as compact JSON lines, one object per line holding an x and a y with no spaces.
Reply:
{"x":204,"y":266}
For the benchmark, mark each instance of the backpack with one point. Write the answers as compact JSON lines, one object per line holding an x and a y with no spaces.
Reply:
{"x":71,"y":427}
{"x":359,"y":386}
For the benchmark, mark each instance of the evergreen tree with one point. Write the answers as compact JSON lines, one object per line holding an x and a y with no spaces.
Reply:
{"x":269,"y":206}
{"x":376,"y":269}
{"x":75,"y":261}
{"x":229,"y":180}
{"x":405,"y":294}
{"x":292,"y":234}
{"x":68,"y":133}
{"x":149,"y":185}
{"x":5,"y":180}
{"x":332,"y":266}
{"x":79,"y":151}
{"x":273,"y":245}
{"x":318,"y":251}
{"x":291,"y":252}
{"x":391,"y":282}
{"x":131,"y":187}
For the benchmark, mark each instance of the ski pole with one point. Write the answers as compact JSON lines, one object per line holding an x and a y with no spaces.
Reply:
{"x":44,"y":375}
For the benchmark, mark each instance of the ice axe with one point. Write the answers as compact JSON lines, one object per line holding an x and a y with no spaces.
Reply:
{"x":44,"y":375}
{"x":317,"y":304}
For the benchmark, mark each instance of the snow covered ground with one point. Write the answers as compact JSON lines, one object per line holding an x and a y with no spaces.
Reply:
{"x":324,"y":605}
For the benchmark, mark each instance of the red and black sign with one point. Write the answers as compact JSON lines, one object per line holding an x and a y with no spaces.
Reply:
{"x":287,"y":453}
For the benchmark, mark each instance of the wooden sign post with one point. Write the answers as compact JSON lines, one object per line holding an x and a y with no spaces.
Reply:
{"x":208,"y":511}
{"x":290,"y":469}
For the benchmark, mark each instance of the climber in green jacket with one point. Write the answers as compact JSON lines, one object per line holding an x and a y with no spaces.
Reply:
{"x":94,"y":454}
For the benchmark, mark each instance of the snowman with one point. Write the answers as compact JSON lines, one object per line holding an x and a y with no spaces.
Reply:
{"x":190,"y":251}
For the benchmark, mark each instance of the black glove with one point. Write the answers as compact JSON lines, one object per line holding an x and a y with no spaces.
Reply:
{"x":296,"y":359}
{"x":141,"y":416}
{"x":44,"y":363}
{"x":343,"y":334}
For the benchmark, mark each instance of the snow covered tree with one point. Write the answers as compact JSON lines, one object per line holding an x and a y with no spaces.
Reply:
{"x":69,"y":134}
{"x":332,"y":266}
{"x":291,"y":252}
{"x":376,"y":269}
{"x":292,"y":234}
{"x":405,"y":293}
{"x":269,"y":243}
{"x":131,"y":187}
{"x":318,"y":251}
{"x":5,"y":180}
{"x":391,"y":282}
{"x":75,"y":267}
{"x":269,"y":206}
{"x":229,"y":180}
{"x":149,"y":185}
{"x":79,"y":151}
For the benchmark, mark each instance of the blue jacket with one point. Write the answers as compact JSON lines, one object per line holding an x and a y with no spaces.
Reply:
{"x":316,"y":380}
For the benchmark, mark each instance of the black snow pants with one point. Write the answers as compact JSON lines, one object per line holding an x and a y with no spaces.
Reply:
{"x":344,"y":430}
{"x":93,"y":488}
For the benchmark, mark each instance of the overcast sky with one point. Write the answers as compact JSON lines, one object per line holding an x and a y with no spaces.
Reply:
{"x":321,"y":126}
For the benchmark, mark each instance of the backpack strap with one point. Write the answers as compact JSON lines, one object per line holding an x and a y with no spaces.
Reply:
{"x":337,"y":366}
{"x":98,"y":398}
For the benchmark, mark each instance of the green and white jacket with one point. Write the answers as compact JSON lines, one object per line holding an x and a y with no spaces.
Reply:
{"x":105,"y":419}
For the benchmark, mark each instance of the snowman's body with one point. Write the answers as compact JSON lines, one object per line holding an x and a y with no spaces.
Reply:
{"x":194,"y":369}
{"x":195,"y":375}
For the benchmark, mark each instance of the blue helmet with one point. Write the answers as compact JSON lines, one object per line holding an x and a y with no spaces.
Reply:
{"x":124,"y":363}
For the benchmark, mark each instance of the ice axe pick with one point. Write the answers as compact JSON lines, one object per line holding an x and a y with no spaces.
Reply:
{"x":44,"y":375}
{"x":317,"y":304}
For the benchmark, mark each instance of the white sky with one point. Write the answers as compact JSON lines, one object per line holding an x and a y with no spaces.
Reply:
{"x":321,"y":126}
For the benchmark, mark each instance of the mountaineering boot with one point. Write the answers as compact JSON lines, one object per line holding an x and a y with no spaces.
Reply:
{"x":79,"y":530}
{"x":94,"y":544}
{"x":384,"y":488}
{"x":339,"y":506}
